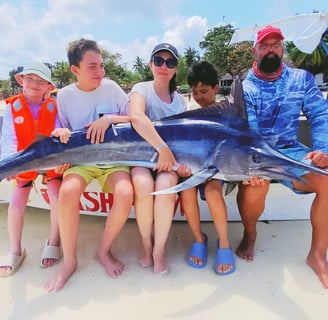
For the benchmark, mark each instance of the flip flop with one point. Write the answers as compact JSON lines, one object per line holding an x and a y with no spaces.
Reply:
{"x":224,"y":256}
{"x":198,"y":250}
{"x":49,"y":252}
{"x":13,"y":261}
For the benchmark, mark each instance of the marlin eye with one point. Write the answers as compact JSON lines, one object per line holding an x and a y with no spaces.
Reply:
{"x":256,"y":158}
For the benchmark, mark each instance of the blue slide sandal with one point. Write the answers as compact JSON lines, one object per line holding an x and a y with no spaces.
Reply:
{"x":224,"y":256}
{"x":198,"y":250}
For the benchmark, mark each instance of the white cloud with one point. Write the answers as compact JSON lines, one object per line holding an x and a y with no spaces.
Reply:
{"x":186,"y":32}
{"x":181,"y":32}
{"x":39,"y":29}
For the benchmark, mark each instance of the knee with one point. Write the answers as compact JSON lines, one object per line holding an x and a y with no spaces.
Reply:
{"x":213,"y":187}
{"x":143,"y":185}
{"x":124,"y":190}
{"x":251,"y":199}
{"x":166,"y":180}
{"x":65,"y":191}
{"x":315,"y":183}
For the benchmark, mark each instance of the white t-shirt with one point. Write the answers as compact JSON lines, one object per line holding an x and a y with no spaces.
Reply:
{"x":155,"y":107}
{"x":77,"y":108}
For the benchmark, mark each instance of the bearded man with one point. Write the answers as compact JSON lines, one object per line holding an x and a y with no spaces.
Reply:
{"x":275,"y":96}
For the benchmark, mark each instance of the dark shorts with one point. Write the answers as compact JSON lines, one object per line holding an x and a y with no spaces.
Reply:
{"x":201,"y":189}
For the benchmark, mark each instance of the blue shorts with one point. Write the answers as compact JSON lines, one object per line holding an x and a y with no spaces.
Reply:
{"x":297,"y":153}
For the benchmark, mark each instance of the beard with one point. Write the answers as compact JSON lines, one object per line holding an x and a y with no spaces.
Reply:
{"x":270,"y":63}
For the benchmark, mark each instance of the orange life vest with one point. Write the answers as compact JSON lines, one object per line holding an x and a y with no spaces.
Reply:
{"x":27,"y":128}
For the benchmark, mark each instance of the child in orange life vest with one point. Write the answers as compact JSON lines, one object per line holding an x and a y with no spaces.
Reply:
{"x":28,"y":115}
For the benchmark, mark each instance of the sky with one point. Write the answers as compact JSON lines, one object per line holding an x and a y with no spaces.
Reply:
{"x":40,"y":29}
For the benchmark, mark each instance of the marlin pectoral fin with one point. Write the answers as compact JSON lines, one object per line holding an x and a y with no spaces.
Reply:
{"x":193,"y":181}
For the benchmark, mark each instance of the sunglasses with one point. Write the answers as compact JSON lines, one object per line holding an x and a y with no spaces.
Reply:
{"x":170,"y":63}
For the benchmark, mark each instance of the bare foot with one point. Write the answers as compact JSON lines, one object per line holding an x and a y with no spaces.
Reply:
{"x":12,"y":263}
{"x":146,"y":258}
{"x":5,"y":271}
{"x":245,"y":249}
{"x":113,"y":267}
{"x":320,"y":267}
{"x":224,"y":268}
{"x":160,"y":264}
{"x":47,"y":262}
{"x":63,"y":274}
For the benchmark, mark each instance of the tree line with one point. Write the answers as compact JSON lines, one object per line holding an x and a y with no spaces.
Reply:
{"x":229,"y":59}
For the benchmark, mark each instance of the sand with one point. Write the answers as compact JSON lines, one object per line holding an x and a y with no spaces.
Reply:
{"x":277,"y":285}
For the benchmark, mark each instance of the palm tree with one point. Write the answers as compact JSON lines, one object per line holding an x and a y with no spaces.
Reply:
{"x":191,"y":56}
{"x":316,"y":62}
{"x":138,"y":65}
{"x":142,"y":70}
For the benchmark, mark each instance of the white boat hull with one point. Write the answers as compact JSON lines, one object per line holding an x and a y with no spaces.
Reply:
{"x":281,"y":204}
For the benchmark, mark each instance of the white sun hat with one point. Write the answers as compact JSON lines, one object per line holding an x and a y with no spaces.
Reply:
{"x":38,"y":68}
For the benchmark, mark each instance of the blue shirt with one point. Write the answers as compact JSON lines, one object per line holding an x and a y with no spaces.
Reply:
{"x":274,"y":108}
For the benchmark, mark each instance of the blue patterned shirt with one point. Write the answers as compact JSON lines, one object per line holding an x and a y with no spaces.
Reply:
{"x":274,"y":108}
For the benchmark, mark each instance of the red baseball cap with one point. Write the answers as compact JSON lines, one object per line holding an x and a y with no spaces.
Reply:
{"x":269,"y":31}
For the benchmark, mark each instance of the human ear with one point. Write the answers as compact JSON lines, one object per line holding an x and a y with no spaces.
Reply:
{"x":74,"y":69}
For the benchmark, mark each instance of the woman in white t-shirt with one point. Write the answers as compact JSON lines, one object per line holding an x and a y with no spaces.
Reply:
{"x":149,"y":101}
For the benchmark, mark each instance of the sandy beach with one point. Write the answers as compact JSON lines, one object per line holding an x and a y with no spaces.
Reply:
{"x":277,"y":285}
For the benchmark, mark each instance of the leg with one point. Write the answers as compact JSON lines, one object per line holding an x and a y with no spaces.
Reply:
{"x":54,"y":239}
{"x":15,"y":223}
{"x":163,"y":214}
{"x":218,"y":210}
{"x":144,"y":209}
{"x":120,"y":184}
{"x":68,"y":219}
{"x":190,"y":206}
{"x":251,"y":203}
{"x":316,"y":258}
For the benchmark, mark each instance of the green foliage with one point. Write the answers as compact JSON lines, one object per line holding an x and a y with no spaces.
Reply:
{"x":228,"y":59}
{"x":191,"y":56}
{"x":143,"y":72}
{"x":61,"y":74}
{"x":316,"y":62}
{"x":217,"y":48}
{"x":15,"y":87}
{"x":5,"y":89}
{"x":240,"y":59}
{"x":182,"y":71}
